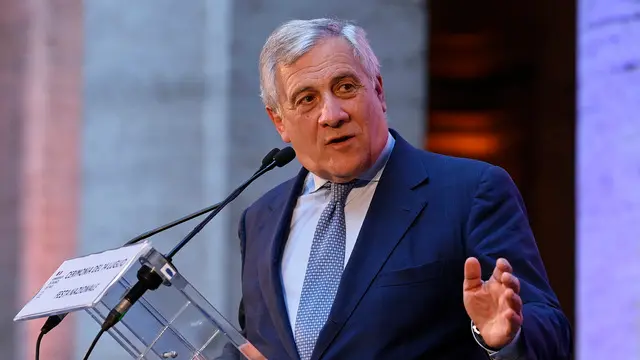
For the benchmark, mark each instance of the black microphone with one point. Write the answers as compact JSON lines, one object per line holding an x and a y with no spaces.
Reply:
{"x":268,"y":159}
{"x":55,"y":320}
{"x":52,"y":321}
{"x":148,"y":279}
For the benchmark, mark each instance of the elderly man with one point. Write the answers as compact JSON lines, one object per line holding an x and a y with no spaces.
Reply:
{"x":376,"y":249}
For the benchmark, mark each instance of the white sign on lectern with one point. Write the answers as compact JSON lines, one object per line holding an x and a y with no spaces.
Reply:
{"x":81,"y":282}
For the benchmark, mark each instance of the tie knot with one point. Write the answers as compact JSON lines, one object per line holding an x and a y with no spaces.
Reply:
{"x":340,"y":191}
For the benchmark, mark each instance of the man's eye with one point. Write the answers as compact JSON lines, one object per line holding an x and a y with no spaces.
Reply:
{"x":306,"y":99}
{"x":347,"y":87}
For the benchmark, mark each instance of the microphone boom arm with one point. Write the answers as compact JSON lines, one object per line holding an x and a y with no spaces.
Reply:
{"x":215,"y":211}
{"x":266,"y":161}
{"x":168,"y":226}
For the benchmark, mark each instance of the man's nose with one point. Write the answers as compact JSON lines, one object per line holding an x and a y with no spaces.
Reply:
{"x":333,"y":115}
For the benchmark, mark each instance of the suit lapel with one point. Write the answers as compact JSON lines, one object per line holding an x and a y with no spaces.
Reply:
{"x":277,"y":231}
{"x":394,"y":207}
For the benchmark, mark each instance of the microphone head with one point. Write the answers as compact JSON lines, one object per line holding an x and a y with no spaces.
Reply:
{"x":284,"y":156}
{"x":269,"y":157}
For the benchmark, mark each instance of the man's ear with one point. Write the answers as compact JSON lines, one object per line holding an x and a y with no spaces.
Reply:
{"x":380,"y":92}
{"x":278,"y":123}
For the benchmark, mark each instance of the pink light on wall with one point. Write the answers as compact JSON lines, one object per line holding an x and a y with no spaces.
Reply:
{"x":49,"y":189}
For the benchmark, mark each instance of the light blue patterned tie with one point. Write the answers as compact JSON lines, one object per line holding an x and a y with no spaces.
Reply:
{"x":324,"y":271}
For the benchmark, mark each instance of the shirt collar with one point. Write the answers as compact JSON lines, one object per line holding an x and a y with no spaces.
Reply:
{"x":314,"y":183}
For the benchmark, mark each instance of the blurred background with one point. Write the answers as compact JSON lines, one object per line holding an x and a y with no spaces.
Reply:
{"x":119,"y":116}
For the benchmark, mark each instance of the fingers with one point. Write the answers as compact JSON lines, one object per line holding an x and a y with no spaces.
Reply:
{"x":472,"y":274}
{"x":502,"y":266}
{"x":511,"y":281}
{"x":514,"y":320}
{"x":502,"y":274}
{"x":511,"y":312}
{"x":512,"y":301}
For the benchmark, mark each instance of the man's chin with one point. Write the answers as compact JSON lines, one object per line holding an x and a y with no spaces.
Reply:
{"x":346,"y":174}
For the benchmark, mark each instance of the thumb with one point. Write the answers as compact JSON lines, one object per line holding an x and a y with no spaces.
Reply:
{"x":472,"y":274}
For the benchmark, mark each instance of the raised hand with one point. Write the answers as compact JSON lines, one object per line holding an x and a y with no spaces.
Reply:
{"x":494,"y":305}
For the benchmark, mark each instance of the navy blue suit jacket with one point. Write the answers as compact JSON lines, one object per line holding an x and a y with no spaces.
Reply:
{"x":401,"y":291}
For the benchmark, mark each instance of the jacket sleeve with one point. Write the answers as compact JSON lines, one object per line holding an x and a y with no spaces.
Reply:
{"x":243,"y":240}
{"x":497,"y":227}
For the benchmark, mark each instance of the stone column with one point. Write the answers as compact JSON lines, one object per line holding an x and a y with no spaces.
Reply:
{"x":155,"y":136}
{"x":39,"y":86}
{"x":11,"y":112}
{"x":607,"y":175}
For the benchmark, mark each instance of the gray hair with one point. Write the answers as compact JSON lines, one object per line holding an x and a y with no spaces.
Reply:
{"x":295,"y":38}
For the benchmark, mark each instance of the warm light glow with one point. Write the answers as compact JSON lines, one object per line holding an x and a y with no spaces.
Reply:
{"x":465,"y":120}
{"x":482,"y":144}
{"x":465,"y":133}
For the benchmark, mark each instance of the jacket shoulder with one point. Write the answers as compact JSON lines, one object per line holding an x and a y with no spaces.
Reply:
{"x":463,"y":178}
{"x":459,"y":167}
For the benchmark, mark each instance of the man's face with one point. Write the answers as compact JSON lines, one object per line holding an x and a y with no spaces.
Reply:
{"x":331,"y":111}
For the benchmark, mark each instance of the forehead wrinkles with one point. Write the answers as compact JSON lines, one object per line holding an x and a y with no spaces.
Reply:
{"x":329,"y":65}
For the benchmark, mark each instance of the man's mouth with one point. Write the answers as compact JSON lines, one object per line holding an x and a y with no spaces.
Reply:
{"x":339,"y":140}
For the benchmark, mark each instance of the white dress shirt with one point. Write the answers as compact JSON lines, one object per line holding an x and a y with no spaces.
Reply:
{"x":306,"y":215}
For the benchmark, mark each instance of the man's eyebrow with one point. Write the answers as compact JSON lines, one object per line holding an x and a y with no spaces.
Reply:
{"x":342,"y":76}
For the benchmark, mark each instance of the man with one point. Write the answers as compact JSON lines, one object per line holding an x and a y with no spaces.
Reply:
{"x":378,"y":250}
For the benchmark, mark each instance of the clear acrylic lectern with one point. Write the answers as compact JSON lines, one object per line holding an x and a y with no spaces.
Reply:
{"x":173,"y":322}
